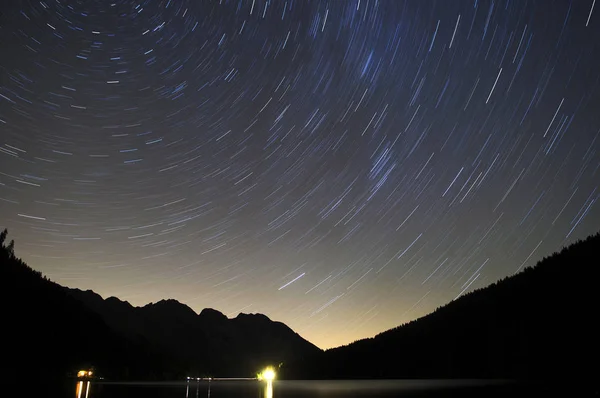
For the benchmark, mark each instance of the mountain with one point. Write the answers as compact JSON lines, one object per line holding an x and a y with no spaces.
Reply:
{"x":48,"y":334}
{"x":50,"y":331}
{"x":209,"y":342}
{"x":538,"y":324}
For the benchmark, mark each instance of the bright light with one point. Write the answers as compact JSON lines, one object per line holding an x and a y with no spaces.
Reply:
{"x":82,"y":373}
{"x":268,"y":374}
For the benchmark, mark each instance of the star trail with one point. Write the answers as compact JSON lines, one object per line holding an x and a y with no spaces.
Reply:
{"x":340,"y":166}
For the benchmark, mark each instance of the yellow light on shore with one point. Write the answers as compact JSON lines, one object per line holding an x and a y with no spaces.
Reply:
{"x":268,"y":374}
{"x":85,"y":373}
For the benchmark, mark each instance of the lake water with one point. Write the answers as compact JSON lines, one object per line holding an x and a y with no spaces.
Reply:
{"x":313,"y":389}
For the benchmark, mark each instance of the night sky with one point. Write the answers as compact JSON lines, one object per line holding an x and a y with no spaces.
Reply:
{"x":341,"y":166}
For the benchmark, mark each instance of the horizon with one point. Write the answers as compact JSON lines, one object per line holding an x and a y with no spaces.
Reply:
{"x":232,"y":316}
{"x":342,"y":167}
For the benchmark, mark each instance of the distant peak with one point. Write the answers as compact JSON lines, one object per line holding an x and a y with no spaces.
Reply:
{"x":243,"y":315}
{"x":212,"y":314}
{"x":170,"y":305}
{"x":167,"y":302}
{"x":113,"y":299}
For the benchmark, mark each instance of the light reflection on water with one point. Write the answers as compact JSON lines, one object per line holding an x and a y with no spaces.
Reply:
{"x":83,"y":388}
{"x":80,"y":387}
{"x":269,"y":389}
{"x":304,"y":389}
{"x":266,"y":392}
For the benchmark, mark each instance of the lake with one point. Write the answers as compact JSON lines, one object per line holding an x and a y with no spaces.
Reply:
{"x":312,"y":389}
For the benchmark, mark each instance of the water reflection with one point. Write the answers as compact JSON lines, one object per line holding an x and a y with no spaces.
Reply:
{"x":193,"y":388}
{"x":269,"y":389}
{"x":265,"y":389}
{"x":82,"y":386}
{"x":301,"y":389}
{"x":187,"y":389}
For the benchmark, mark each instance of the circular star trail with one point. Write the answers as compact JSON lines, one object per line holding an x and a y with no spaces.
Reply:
{"x":341,"y":166}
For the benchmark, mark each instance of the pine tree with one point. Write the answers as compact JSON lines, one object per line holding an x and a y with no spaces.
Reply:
{"x":3,"y":235}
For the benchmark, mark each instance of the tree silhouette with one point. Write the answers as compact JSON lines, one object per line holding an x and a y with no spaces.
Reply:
{"x":62,"y":330}
{"x":3,"y":236}
{"x":56,"y":334}
{"x":10,"y":249}
{"x":540,"y":323}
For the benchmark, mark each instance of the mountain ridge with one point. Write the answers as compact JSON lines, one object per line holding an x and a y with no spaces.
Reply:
{"x":509,"y":329}
{"x":537,"y":324}
{"x":68,"y":328}
{"x":178,"y":329}
{"x":208,"y":311}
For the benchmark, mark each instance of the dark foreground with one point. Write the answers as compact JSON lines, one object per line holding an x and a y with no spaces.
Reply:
{"x":537,"y":324}
{"x":321,"y":389}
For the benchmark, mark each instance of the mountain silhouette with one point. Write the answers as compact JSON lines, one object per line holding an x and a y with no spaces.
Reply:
{"x":50,"y":331}
{"x":209,"y":342}
{"x":48,"y":334}
{"x":538,"y":324}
